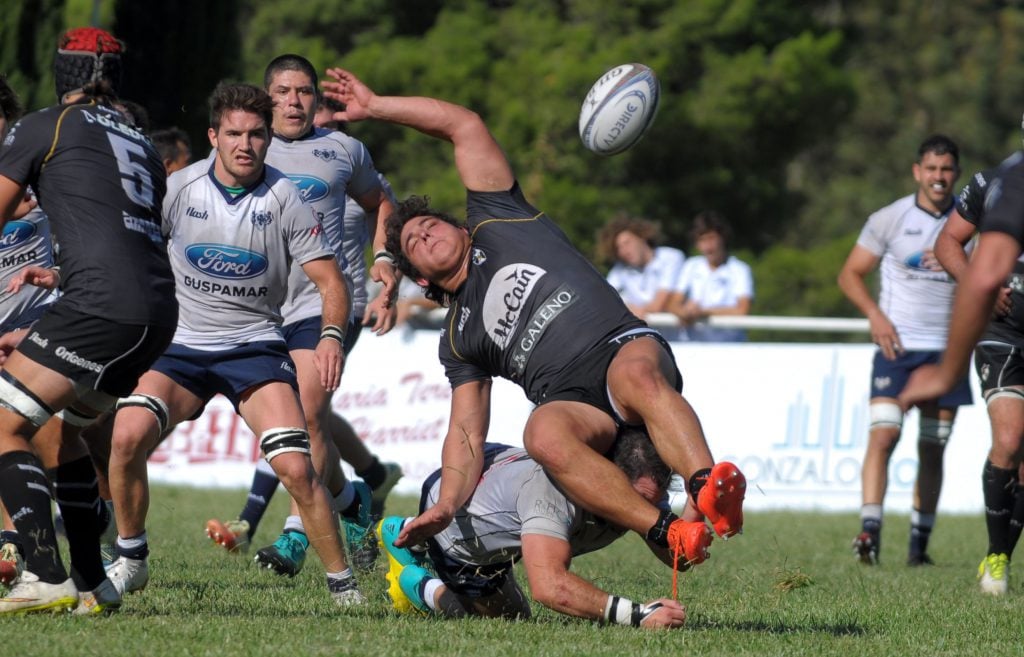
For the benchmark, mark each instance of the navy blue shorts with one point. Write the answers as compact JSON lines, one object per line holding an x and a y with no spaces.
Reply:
{"x":230,"y":372}
{"x":889,"y":377}
{"x":305,"y":334}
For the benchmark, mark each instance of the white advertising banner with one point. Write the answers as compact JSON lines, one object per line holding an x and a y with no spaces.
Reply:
{"x":793,"y":417}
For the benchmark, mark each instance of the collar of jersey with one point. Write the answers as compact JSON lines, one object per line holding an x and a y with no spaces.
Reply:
{"x":311,"y":133}
{"x":229,"y":198}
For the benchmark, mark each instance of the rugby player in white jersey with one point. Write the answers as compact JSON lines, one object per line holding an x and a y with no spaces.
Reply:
{"x":909,"y":324}
{"x":518,"y":515}
{"x":234,"y":226}
{"x":328,"y":167}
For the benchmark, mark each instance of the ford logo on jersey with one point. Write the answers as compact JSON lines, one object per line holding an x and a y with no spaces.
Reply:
{"x":311,"y":187}
{"x":16,"y":232}
{"x":225,"y":261}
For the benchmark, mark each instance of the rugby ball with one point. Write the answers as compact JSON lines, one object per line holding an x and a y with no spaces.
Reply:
{"x":619,"y":109}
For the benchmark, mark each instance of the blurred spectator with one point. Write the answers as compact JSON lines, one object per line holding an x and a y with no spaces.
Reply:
{"x":644,"y":274}
{"x":712,"y":283}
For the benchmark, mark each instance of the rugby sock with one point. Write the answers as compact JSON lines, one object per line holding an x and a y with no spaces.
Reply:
{"x":921,"y":525}
{"x":374,"y":475}
{"x":264,"y":484}
{"x":658,"y":533}
{"x":294,"y":524}
{"x":871,"y":519}
{"x":349,"y":502}
{"x":85,"y":518}
{"x":134,"y":547}
{"x":998,"y":485}
{"x":1017,"y":517}
{"x":430,"y":585}
{"x":12,"y":537}
{"x":26,"y":495}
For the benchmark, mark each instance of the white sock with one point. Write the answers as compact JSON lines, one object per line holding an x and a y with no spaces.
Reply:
{"x":294,"y":524}
{"x":431,"y":587}
{"x":344,"y":499}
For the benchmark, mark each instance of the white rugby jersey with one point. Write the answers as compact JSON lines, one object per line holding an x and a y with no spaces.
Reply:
{"x":326,"y":166}
{"x":639,"y":286}
{"x":917,"y":300}
{"x":231,"y":255}
{"x":24,"y":242}
{"x":514,"y":498}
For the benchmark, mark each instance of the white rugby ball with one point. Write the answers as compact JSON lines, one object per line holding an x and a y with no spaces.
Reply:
{"x":619,"y":109}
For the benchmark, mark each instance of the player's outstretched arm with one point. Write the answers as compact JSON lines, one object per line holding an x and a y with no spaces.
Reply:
{"x":462,"y":461}
{"x":547,"y":559}
{"x":478,"y":158}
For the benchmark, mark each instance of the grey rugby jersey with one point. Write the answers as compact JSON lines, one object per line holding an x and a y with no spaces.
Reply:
{"x":515,"y":498}
{"x":326,"y":166}
{"x":231,"y":255}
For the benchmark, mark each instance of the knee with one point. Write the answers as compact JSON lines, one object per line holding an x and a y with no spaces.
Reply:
{"x":131,"y":438}
{"x":296,"y":474}
{"x":547,"y":450}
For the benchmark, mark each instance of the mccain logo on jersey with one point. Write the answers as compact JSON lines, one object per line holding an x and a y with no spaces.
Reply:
{"x":16,"y":232}
{"x":312,"y":188}
{"x":225,"y":261}
{"x":505,"y":299}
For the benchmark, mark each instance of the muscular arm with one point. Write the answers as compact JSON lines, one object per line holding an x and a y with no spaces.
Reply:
{"x":328,"y":355}
{"x":547,"y":559}
{"x":12,"y":195}
{"x":378,"y":207}
{"x":949,"y":245}
{"x":481,"y":164}
{"x":462,"y":460}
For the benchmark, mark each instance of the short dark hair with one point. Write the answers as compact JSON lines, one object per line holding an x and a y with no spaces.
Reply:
{"x":634,"y":453}
{"x":136,"y":114}
{"x":169,"y":142}
{"x":940,"y":145}
{"x":10,"y":106}
{"x":239,"y":96}
{"x":710,"y":221}
{"x":410,"y":208}
{"x":290,"y":62}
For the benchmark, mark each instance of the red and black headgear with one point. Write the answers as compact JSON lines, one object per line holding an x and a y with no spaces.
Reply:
{"x":84,"y":55}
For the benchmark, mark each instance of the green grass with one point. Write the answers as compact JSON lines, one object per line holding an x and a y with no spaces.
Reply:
{"x":788,"y":586}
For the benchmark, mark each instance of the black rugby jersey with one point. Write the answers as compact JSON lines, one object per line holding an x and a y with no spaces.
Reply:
{"x":101,"y":183}
{"x":531,"y":306}
{"x":973,"y":202}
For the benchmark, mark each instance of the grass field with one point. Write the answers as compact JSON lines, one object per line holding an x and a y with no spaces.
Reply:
{"x":788,"y":586}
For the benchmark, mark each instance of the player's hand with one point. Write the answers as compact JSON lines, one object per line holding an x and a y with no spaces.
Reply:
{"x":925,"y":383}
{"x":350,"y":90}
{"x":381,"y":314}
{"x":669,"y":614}
{"x":427,"y":524}
{"x":34,"y":275}
{"x":383,"y":272}
{"x":329,"y":359}
{"x":884,"y":334}
{"x":929,"y":261}
{"x":1004,"y":305}
{"x":9,"y":342}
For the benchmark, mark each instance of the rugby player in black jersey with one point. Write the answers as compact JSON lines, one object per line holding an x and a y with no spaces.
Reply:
{"x":101,"y":183}
{"x":524,"y":304}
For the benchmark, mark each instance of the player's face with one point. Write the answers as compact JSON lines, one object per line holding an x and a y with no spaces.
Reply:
{"x":294,"y":103}
{"x":183,"y":159}
{"x":434,"y":247}
{"x":935,"y":175}
{"x":631,"y":249}
{"x":241,"y":143}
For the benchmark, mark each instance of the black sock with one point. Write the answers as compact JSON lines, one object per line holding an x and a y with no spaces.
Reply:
{"x":373,"y":475}
{"x":1017,"y":517}
{"x":919,"y":535}
{"x":658,"y":534}
{"x":264,"y":484}
{"x":85,"y":518}
{"x":12,"y":537}
{"x":26,"y":495}
{"x":998,"y":485}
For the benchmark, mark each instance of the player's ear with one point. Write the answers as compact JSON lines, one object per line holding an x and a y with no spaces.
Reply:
{"x":422,"y":282}
{"x":212,"y":134}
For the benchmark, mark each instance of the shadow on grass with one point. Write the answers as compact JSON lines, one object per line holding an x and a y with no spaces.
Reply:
{"x":776,"y":627}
